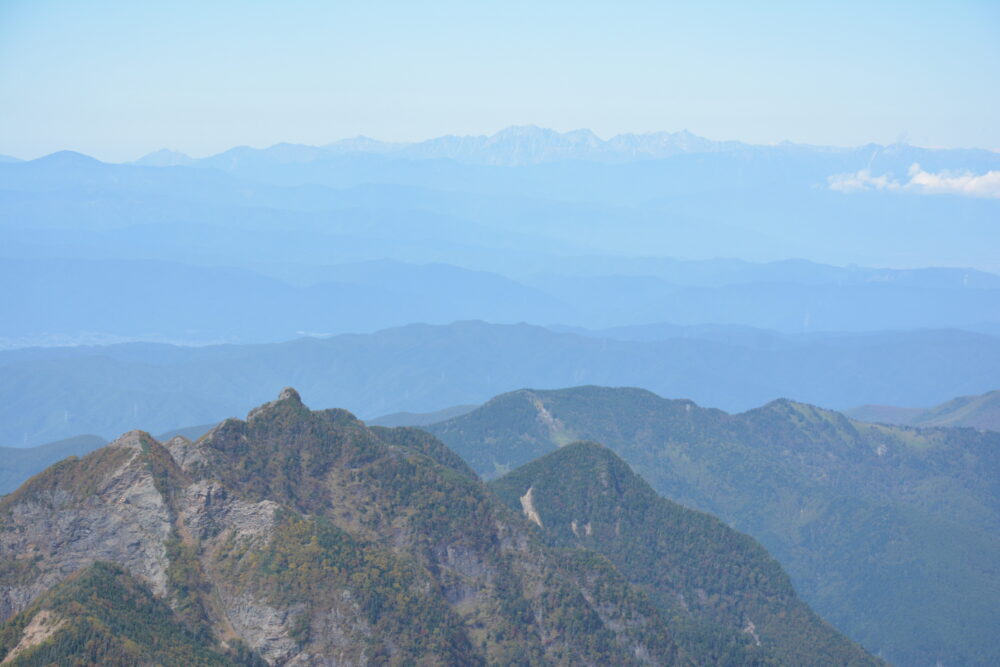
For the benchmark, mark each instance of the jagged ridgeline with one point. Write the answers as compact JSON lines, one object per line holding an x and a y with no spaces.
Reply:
{"x":890,"y":533}
{"x":300,"y":537}
{"x":306,"y":538}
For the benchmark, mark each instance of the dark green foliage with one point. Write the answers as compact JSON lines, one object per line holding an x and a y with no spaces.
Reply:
{"x":608,"y":588}
{"x":188,"y":586}
{"x":439,"y":503}
{"x":857,"y":513}
{"x":424,"y":443}
{"x":106,"y":617}
{"x":710,"y":579}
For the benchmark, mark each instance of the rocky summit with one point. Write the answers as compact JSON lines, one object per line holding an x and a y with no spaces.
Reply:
{"x":301,"y":537}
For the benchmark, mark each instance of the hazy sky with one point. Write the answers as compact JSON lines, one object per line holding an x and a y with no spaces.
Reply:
{"x":119,"y":79}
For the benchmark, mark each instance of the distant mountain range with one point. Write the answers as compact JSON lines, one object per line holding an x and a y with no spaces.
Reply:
{"x":980,"y":412}
{"x":68,"y":301}
{"x":873,"y":522}
{"x":51,"y":393}
{"x":298,"y":536}
{"x":87,"y":242}
{"x":430,"y":283}
{"x":511,"y":146}
{"x":759,"y":203}
{"x":420,"y":418}
{"x":530,"y":144}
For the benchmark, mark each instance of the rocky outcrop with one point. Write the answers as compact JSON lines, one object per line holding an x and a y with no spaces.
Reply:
{"x":306,"y":538}
{"x":43,"y":625}
{"x":103,"y":507}
{"x":313,"y":540}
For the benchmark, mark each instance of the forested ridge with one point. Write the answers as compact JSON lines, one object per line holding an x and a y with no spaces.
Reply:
{"x":855,"y":512}
{"x":300,"y":536}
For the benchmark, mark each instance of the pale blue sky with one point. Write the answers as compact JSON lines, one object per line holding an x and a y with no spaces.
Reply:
{"x":119,"y":79}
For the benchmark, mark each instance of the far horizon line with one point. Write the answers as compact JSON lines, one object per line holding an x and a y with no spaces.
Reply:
{"x":400,"y":145}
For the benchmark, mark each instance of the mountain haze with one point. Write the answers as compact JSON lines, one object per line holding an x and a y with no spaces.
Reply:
{"x":631,"y":334}
{"x":70,"y":301}
{"x":420,"y":418}
{"x":512,"y":146}
{"x":398,"y":279}
{"x":527,"y":145}
{"x":753,"y":202}
{"x":981,"y":412}
{"x":47,"y":394}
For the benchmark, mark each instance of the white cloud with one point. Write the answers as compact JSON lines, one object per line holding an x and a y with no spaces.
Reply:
{"x":921,"y":182}
{"x":861,"y":180}
{"x":973,"y":185}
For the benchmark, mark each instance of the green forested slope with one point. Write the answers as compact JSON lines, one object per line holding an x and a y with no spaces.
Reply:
{"x":103,"y":616}
{"x":873,"y":522}
{"x":730,"y":602}
{"x":306,"y":537}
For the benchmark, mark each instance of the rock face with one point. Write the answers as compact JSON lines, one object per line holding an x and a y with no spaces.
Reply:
{"x":104,"y":616}
{"x":104,"y":507}
{"x":305,"y":538}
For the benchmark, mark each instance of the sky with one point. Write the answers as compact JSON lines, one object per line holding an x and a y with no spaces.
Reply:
{"x":117,"y":80}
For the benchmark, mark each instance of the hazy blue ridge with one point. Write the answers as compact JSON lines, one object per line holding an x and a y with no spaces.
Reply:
{"x":761,"y":202}
{"x":52,"y":393}
{"x":979,"y":412}
{"x":73,"y":301}
{"x":420,"y":418}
